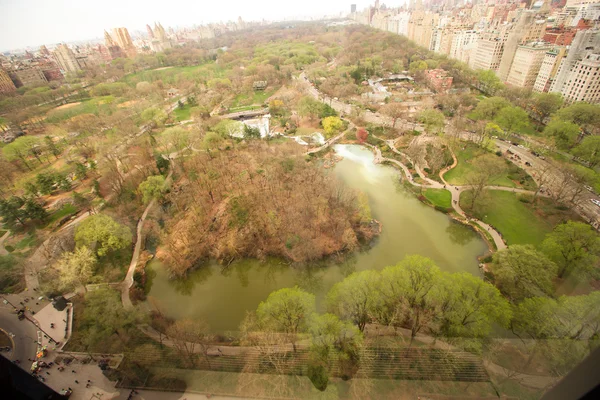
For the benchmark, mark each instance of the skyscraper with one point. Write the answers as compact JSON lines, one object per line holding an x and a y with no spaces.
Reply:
{"x":121,"y":36}
{"x":150,"y":33}
{"x":65,"y":58}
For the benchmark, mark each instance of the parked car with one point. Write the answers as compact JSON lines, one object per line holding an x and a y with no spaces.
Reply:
{"x":596,"y":202}
{"x":589,"y":188}
{"x":528,"y":163}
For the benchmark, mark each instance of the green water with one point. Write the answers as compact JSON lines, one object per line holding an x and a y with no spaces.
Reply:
{"x":222,"y":297}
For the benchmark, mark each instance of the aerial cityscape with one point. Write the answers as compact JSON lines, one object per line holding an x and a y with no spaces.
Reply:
{"x":353,"y":201}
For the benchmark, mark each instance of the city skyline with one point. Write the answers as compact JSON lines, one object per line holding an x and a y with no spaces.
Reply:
{"x":32,"y":23}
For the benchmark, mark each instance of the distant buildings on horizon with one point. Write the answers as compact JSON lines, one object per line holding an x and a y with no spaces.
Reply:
{"x":545,"y":46}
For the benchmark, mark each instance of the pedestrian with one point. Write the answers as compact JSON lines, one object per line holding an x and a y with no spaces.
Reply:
{"x":76,"y":381}
{"x":73,"y":371}
{"x":89,"y":381}
{"x":47,"y":373}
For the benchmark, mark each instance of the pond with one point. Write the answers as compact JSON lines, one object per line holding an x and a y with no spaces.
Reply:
{"x":222,"y":296}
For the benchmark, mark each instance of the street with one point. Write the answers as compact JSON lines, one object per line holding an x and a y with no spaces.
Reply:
{"x":25,"y":336}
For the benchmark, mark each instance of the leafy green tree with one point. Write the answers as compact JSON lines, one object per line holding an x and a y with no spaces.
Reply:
{"x":51,"y":146}
{"x":536,"y":317}
{"x":410,"y":293}
{"x":332,"y":125}
{"x":287,"y":310}
{"x":582,"y":114}
{"x":63,"y":182}
{"x":333,"y":339}
{"x":152,"y":188}
{"x":565,"y":133}
{"x":417,"y":66}
{"x":589,"y":150}
{"x":489,"y":81}
{"x":470,"y":307}
{"x":161,"y":163}
{"x":80,"y":171}
{"x":574,"y":247}
{"x":489,"y":108}
{"x":212,"y":140}
{"x":228,"y":128}
{"x":34,"y":211}
{"x":154,"y":115}
{"x":176,"y":139}
{"x":251,"y":132}
{"x":327,"y":111}
{"x":21,"y":148}
{"x":309,"y":107}
{"x":522,"y":271}
{"x":512,"y":119}
{"x":355,"y":298}
{"x":76,"y":268}
{"x":102,"y":233}
{"x":433,"y":120}
{"x":10,"y":273}
{"x":45,"y":182}
{"x":546,"y":104}
{"x":104,"y":316}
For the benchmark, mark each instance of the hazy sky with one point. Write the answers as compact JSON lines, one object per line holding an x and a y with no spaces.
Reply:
{"x":36,"y":22}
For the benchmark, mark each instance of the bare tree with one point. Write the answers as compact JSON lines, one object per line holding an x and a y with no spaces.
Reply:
{"x":189,"y":338}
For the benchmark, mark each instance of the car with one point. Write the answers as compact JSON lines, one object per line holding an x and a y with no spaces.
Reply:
{"x":596,"y":202}
{"x":589,"y":188}
{"x":521,"y":146}
{"x":528,"y":163}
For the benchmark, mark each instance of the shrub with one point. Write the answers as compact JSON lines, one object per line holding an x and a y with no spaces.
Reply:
{"x":525,"y":198}
{"x":443,"y":209}
{"x":499,"y":153}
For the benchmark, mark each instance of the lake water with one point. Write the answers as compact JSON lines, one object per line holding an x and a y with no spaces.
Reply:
{"x":222,"y":297}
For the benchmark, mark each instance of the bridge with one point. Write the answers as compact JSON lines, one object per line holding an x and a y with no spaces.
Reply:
{"x":246,"y":114}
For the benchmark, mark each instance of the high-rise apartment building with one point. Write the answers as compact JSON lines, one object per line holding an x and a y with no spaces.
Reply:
{"x":66,"y":60}
{"x":6,"y":84}
{"x":121,"y":36}
{"x":584,"y":43}
{"x":488,"y":53}
{"x":521,"y":33}
{"x":526,"y":64}
{"x":548,"y":69}
{"x":463,"y":44}
{"x":584,"y":80}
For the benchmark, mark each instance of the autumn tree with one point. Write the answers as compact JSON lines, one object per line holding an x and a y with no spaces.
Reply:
{"x":395,"y":111}
{"x":362,"y":135}
{"x":102,"y":233}
{"x":287,"y":310}
{"x":332,"y":125}
{"x":521,"y":271}
{"x":189,"y":338}
{"x":574,"y":247}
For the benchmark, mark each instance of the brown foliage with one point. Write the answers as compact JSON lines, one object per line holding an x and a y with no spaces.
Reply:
{"x":259,"y":200}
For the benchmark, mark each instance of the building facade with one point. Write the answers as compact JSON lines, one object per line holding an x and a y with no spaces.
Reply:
{"x":526,"y":64}
{"x":28,"y":76}
{"x":548,"y":69}
{"x":6,"y":84}
{"x":66,"y":60}
{"x":584,"y":80}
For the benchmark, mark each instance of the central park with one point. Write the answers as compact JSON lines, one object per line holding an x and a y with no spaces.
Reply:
{"x":251,"y":216}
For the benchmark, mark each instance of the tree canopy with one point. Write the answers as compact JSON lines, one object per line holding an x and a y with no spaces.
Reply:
{"x":102,"y":233}
{"x":574,"y":247}
{"x":522,"y":271}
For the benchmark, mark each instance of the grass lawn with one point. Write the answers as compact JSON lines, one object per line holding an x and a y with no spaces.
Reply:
{"x":439,"y":197}
{"x":67,"y":209}
{"x":509,"y":176}
{"x":518,"y":222}
{"x":254,"y":98}
{"x":182,"y":114}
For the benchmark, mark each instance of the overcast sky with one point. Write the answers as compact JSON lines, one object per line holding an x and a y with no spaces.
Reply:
{"x":36,"y":22}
